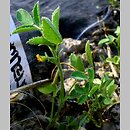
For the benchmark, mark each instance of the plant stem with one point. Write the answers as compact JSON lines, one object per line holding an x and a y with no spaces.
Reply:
{"x":37,"y":27}
{"x":53,"y":98}
{"x":98,"y":125}
{"x":52,"y":109}
{"x":99,"y":112}
{"x":62,"y":91}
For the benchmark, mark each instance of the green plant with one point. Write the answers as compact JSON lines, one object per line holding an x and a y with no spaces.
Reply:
{"x":112,"y":40}
{"x":97,"y":94}
{"x":51,"y":37}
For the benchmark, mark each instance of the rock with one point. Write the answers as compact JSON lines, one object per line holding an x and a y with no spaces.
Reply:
{"x":41,"y":71}
{"x":67,"y":73}
{"x":71,"y":45}
{"x":68,"y":83}
{"x":84,"y":59}
{"x":115,"y":114}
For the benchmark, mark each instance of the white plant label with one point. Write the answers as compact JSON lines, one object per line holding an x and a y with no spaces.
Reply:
{"x":19,"y":68}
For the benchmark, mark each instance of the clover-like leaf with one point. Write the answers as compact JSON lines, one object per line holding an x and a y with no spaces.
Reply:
{"x":108,"y":40}
{"x":111,"y":88}
{"x":24,"y":17}
{"x":55,"y":17}
{"x":36,"y":14}
{"x":107,"y":101}
{"x":24,"y":28}
{"x":50,"y":31}
{"x":114,"y":60}
{"x":111,"y":38}
{"x":77,"y":62}
{"x":79,"y":75}
{"x":109,"y":60}
{"x":105,"y":85}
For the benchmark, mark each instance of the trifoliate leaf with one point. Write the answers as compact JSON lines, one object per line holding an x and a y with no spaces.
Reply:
{"x":77,"y":62}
